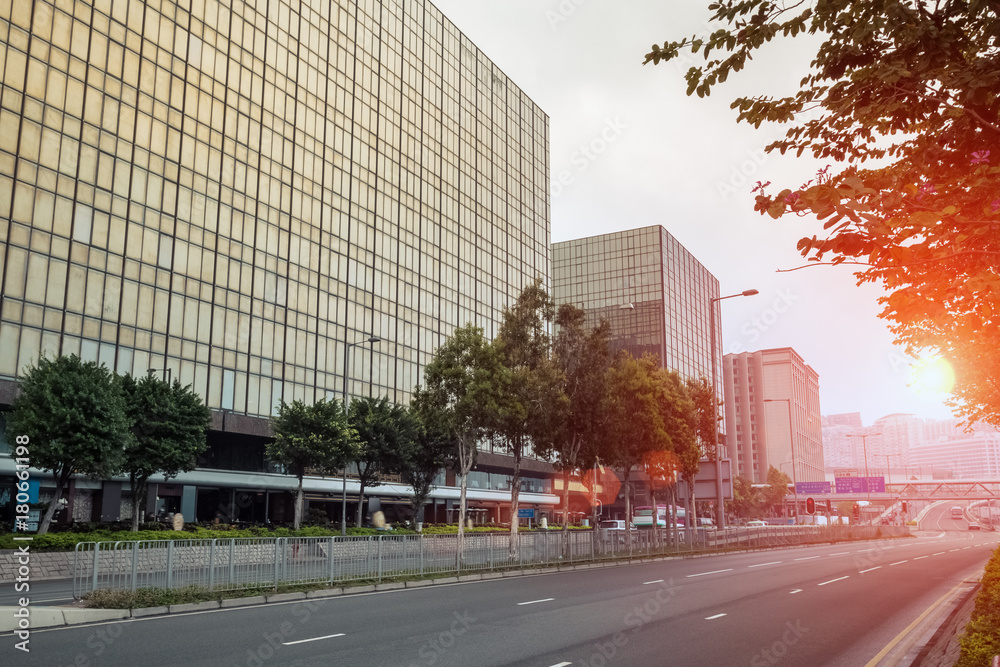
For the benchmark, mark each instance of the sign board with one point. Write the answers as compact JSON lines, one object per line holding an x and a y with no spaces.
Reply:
{"x":860,"y":485}
{"x":845,"y":472}
{"x":704,"y":482}
{"x":525,"y":513}
{"x":812,"y":488}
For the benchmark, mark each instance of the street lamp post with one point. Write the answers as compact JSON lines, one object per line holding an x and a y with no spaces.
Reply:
{"x":343,"y":490}
{"x":720,"y":510}
{"x":864,"y":446}
{"x":791,"y":441}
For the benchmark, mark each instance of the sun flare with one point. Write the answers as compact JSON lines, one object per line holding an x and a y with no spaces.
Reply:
{"x":932,"y":375}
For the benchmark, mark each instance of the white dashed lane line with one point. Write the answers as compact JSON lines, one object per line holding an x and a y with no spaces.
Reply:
{"x":712,"y":618}
{"x":654,"y":581}
{"x":877,"y":567}
{"x":313,"y":639}
{"x":807,"y":558}
{"x":797,"y":590}
{"x":833,"y":580}
{"x":899,"y":563}
{"x":521,"y":604}
{"x":775,"y":562}
{"x":702,"y":574}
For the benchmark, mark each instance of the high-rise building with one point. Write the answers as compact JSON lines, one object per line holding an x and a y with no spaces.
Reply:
{"x":241,"y":195}
{"x":773,"y":415}
{"x":653,"y":292}
{"x":851,"y":419}
{"x":948,"y":451}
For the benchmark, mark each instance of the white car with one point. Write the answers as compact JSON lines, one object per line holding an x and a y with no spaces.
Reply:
{"x":757,"y":522}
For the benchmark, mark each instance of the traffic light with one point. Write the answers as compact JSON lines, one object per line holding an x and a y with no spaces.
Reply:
{"x":829,"y":506}
{"x":904,"y":507}
{"x":810,"y":506}
{"x":857,"y":512}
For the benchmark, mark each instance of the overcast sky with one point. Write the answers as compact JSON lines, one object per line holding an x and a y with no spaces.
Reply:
{"x":659,"y":157}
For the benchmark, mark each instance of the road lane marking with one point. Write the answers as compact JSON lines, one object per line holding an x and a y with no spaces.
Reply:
{"x":833,"y":580}
{"x":807,"y":558}
{"x":902,"y":635}
{"x":654,"y":581}
{"x":314,"y":639}
{"x":521,"y":604}
{"x":899,"y":563}
{"x":775,"y":562}
{"x":562,"y":664}
{"x":938,"y":553}
{"x":877,"y":567}
{"x":712,"y":618}
{"x":842,"y":553}
{"x":702,"y":574}
{"x":951,"y":550}
{"x":797,"y":590}
{"x":919,"y":557}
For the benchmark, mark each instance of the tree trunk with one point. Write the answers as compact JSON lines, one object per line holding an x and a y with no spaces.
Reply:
{"x":140,"y":497}
{"x":361,"y":502}
{"x":565,"y":503}
{"x":62,"y":479}
{"x":628,"y":509}
{"x":460,"y":551}
{"x":692,"y":513}
{"x":515,"y":490}
{"x":299,"y":499}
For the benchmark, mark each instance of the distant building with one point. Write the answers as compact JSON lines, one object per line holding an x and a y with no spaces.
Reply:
{"x":850,"y":419}
{"x":773,"y":415}
{"x":949,"y":452}
{"x":653,"y":292}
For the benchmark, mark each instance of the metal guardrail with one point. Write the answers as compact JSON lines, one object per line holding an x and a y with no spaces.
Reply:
{"x":232,"y":564}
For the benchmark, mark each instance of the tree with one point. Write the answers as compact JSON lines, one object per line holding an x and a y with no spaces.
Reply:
{"x":906,"y":97}
{"x":384,"y":431}
{"x":169,"y":423}
{"x":308,"y":438}
{"x":422,"y":457}
{"x":635,"y":426}
{"x":777,"y":487}
{"x":531,"y":401}
{"x":460,"y":384}
{"x":746,"y":500}
{"x":700,"y":439}
{"x":583,"y":358}
{"x":75,"y":419}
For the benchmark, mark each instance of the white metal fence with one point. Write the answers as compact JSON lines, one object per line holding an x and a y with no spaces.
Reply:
{"x":230,"y":564}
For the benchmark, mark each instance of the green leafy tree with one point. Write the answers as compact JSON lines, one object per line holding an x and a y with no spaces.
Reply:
{"x":777,"y":488}
{"x":699,"y":406}
{"x":531,"y":400}
{"x":385,"y":431}
{"x":169,"y":423}
{"x":75,"y":419}
{"x":583,"y":357}
{"x":635,"y":427}
{"x":905,"y":97}
{"x":747,"y":501}
{"x":308,"y":438}
{"x":422,"y":457}
{"x":460,"y":384}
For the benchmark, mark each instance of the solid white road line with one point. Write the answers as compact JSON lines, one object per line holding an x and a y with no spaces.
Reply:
{"x":702,"y":574}
{"x":833,"y":580}
{"x":877,"y":567}
{"x":314,"y":639}
{"x":774,"y":562}
{"x":712,"y":618}
{"x":521,"y":604}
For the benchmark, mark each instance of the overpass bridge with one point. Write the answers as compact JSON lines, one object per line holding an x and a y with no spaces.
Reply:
{"x":934,"y":490}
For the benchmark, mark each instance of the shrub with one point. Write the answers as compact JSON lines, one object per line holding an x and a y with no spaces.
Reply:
{"x":981,"y":640}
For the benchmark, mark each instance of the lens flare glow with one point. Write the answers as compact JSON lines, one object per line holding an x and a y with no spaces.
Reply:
{"x":932,"y":375}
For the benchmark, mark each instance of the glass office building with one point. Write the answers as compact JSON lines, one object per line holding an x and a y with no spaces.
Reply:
{"x":239,"y":194}
{"x":653,"y":292}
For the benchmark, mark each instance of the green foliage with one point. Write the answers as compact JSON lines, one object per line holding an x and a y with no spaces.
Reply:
{"x":747,"y":502}
{"x":386,"y":433}
{"x":915,"y":89}
{"x":169,"y":423}
{"x":422,"y":457}
{"x":981,"y":640}
{"x":316,"y":437}
{"x":777,"y":486}
{"x":75,"y":419}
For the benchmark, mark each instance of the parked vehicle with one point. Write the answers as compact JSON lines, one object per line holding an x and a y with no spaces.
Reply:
{"x":757,"y":523}
{"x":613,"y":530}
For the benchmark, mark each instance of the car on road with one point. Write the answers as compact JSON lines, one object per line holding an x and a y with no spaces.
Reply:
{"x":613,"y":530}
{"x":757,"y":522}
{"x":973,"y":525}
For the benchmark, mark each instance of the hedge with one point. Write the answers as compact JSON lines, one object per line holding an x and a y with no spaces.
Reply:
{"x":981,"y":640}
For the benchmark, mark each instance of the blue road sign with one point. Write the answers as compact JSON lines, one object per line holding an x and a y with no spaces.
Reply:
{"x":860,"y":484}
{"x":812,"y":488}
{"x":525,"y":513}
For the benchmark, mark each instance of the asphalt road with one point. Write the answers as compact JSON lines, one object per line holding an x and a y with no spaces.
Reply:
{"x":825,"y":605}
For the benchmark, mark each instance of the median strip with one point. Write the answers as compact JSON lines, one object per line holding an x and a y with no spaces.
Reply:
{"x":314,"y":639}
{"x":521,"y":604}
{"x":702,"y":574}
{"x":834,"y":580}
